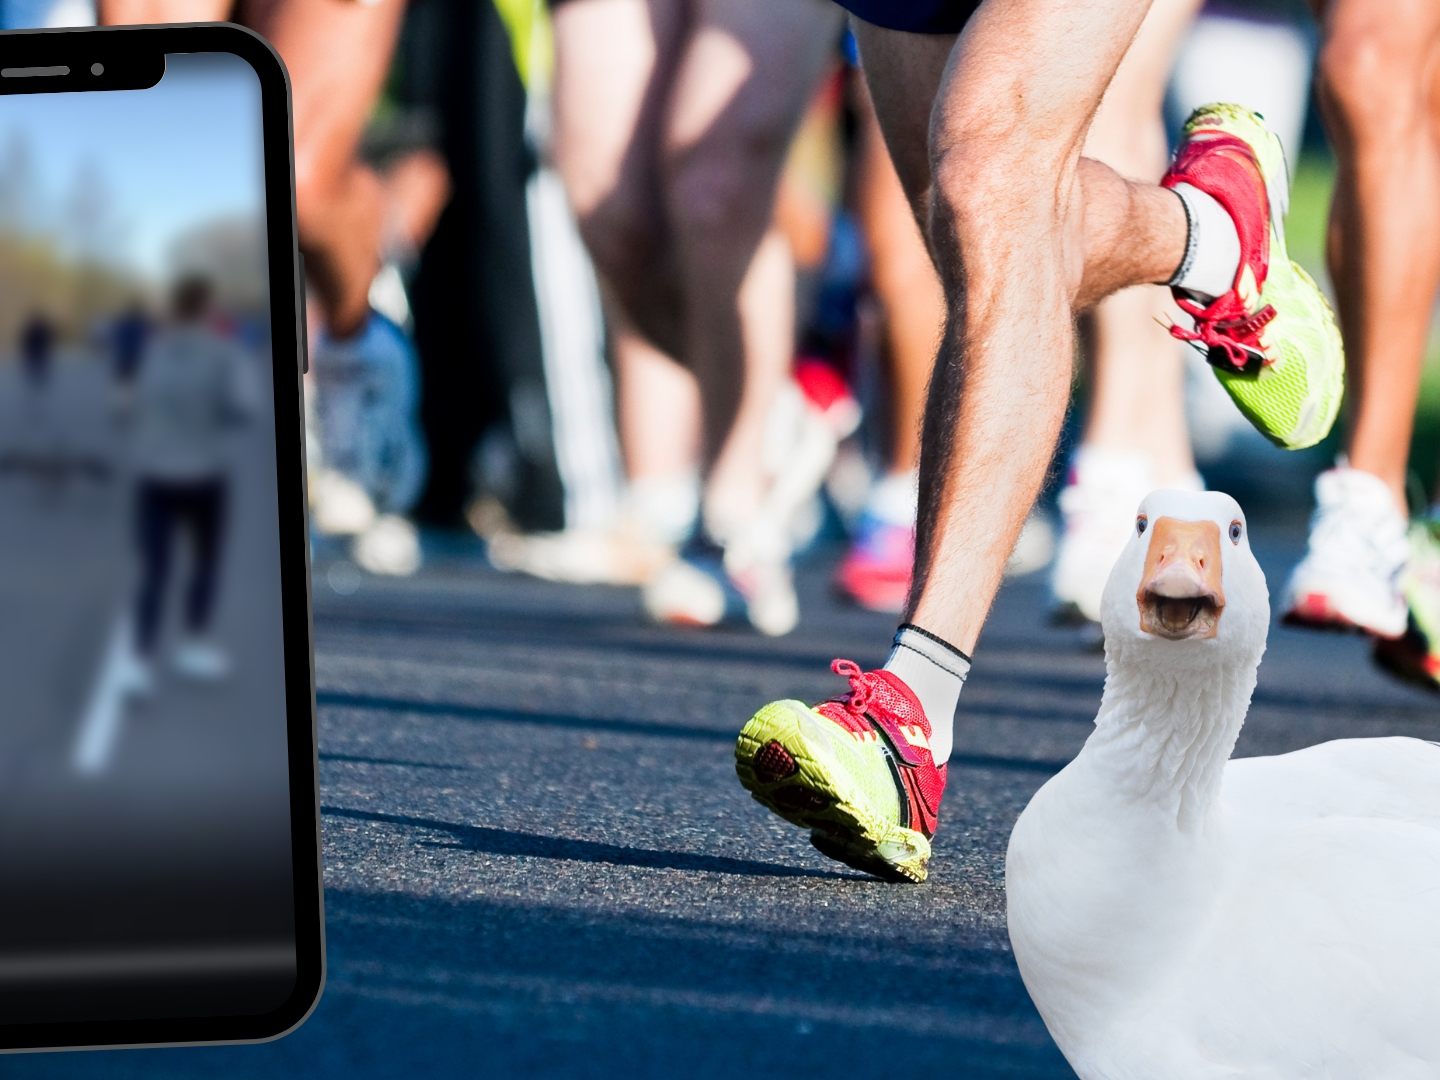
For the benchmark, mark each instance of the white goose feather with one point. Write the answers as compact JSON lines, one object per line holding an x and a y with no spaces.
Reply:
{"x":1178,"y":915}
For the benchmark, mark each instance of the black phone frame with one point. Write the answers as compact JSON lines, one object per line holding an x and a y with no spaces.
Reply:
{"x":133,"y":57}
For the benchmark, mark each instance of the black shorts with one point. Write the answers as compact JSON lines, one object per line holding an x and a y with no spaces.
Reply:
{"x":914,"y":16}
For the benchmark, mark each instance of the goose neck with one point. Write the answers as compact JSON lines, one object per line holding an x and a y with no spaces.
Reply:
{"x":1165,"y":731}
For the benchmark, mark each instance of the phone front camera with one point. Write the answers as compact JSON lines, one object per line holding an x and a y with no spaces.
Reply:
{"x":97,"y":69}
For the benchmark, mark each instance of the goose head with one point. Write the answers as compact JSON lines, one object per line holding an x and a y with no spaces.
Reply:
{"x":1187,"y":590}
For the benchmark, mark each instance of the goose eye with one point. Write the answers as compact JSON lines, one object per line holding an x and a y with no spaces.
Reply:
{"x":1235,"y":531}
{"x":1140,"y":524}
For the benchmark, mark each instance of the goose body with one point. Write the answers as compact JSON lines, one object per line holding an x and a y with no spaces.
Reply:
{"x":1177,"y":915}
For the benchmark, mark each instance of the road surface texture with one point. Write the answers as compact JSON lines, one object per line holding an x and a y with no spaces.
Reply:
{"x":538,"y":860}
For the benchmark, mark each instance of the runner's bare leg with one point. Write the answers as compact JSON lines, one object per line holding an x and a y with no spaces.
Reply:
{"x":615,"y":63}
{"x":1379,"y":88}
{"x":1026,"y":234}
{"x":340,"y":53}
{"x":749,"y":69}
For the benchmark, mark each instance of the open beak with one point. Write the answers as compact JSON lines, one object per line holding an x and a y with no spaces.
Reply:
{"x":1181,"y":593}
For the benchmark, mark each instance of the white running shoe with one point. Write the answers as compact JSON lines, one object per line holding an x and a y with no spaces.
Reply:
{"x":201,"y":660}
{"x":708,"y":586}
{"x":134,"y":677}
{"x":1097,"y":508}
{"x":1035,"y":546}
{"x":363,"y":413}
{"x":390,"y":546}
{"x":1350,"y":578}
{"x":338,"y":505}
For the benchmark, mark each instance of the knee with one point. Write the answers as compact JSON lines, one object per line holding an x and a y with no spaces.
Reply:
{"x":623,"y":240}
{"x":987,"y":201}
{"x":1371,"y":77}
{"x":723,"y":185}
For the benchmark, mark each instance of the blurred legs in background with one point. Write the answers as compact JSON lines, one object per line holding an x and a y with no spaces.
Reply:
{"x":673,"y":119}
{"x":164,"y":510}
{"x":1380,"y":93}
{"x":875,"y":572}
{"x":658,"y":412}
{"x":367,"y":457}
{"x":363,"y":367}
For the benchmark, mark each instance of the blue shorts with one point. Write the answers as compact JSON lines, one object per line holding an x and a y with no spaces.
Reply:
{"x":914,"y":16}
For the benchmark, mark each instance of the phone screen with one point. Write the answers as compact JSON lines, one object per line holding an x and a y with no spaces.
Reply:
{"x":147,"y":863}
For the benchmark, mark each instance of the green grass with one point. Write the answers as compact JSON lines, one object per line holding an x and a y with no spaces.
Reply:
{"x":1313,"y":180}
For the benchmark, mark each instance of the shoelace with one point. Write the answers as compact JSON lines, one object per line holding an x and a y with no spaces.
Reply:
{"x":1222,"y":334}
{"x":860,"y":685}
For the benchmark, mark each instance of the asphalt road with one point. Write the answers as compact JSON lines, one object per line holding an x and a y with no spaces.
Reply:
{"x":538,"y":860}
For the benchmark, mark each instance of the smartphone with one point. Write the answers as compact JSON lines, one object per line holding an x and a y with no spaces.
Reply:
{"x":159,"y":862}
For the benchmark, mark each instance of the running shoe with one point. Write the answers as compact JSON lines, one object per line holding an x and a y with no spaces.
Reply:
{"x":1097,"y":507}
{"x":1272,"y":339}
{"x":135,"y":675}
{"x":368,"y":456}
{"x":707,"y":585}
{"x":390,"y":545}
{"x":812,"y":414}
{"x":855,"y":770}
{"x":875,"y":573}
{"x":365,"y":422}
{"x":1034,"y":547}
{"x":1350,"y":578}
{"x":1416,"y":655}
{"x":201,"y":660}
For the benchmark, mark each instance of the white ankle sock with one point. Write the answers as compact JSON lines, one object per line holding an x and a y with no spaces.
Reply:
{"x":935,"y":671}
{"x":1212,"y":246}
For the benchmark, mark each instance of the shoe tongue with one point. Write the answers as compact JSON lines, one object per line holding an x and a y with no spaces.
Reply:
{"x":911,"y":703}
{"x":900,"y":709}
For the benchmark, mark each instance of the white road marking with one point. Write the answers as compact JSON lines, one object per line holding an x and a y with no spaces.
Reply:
{"x":100,"y":727}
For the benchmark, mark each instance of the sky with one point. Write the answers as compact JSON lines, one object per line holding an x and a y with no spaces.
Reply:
{"x":182,"y":152}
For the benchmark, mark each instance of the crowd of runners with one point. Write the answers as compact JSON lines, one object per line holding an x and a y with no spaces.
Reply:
{"x":695,"y":282}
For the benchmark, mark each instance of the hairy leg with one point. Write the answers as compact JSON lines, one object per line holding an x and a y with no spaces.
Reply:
{"x":614,"y":64}
{"x":1137,"y":401}
{"x":1380,"y":94}
{"x":748,"y":71}
{"x":1026,"y":233}
{"x":338,"y":53}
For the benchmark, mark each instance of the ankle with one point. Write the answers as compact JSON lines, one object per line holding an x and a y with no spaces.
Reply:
{"x":935,"y":672}
{"x":1212,"y":246}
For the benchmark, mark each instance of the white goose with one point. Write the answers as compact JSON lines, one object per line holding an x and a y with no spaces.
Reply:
{"x":1178,"y":915}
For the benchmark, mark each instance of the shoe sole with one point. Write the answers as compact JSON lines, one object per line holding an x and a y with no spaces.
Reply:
{"x":787,"y":764}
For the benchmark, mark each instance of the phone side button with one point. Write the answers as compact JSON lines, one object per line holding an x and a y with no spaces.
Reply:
{"x":303,"y":336}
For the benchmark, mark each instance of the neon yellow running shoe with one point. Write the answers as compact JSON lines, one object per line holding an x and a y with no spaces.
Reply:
{"x":855,"y":770}
{"x":1272,"y":338}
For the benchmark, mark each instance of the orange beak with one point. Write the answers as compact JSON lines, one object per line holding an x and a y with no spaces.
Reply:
{"x":1181,"y":592}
